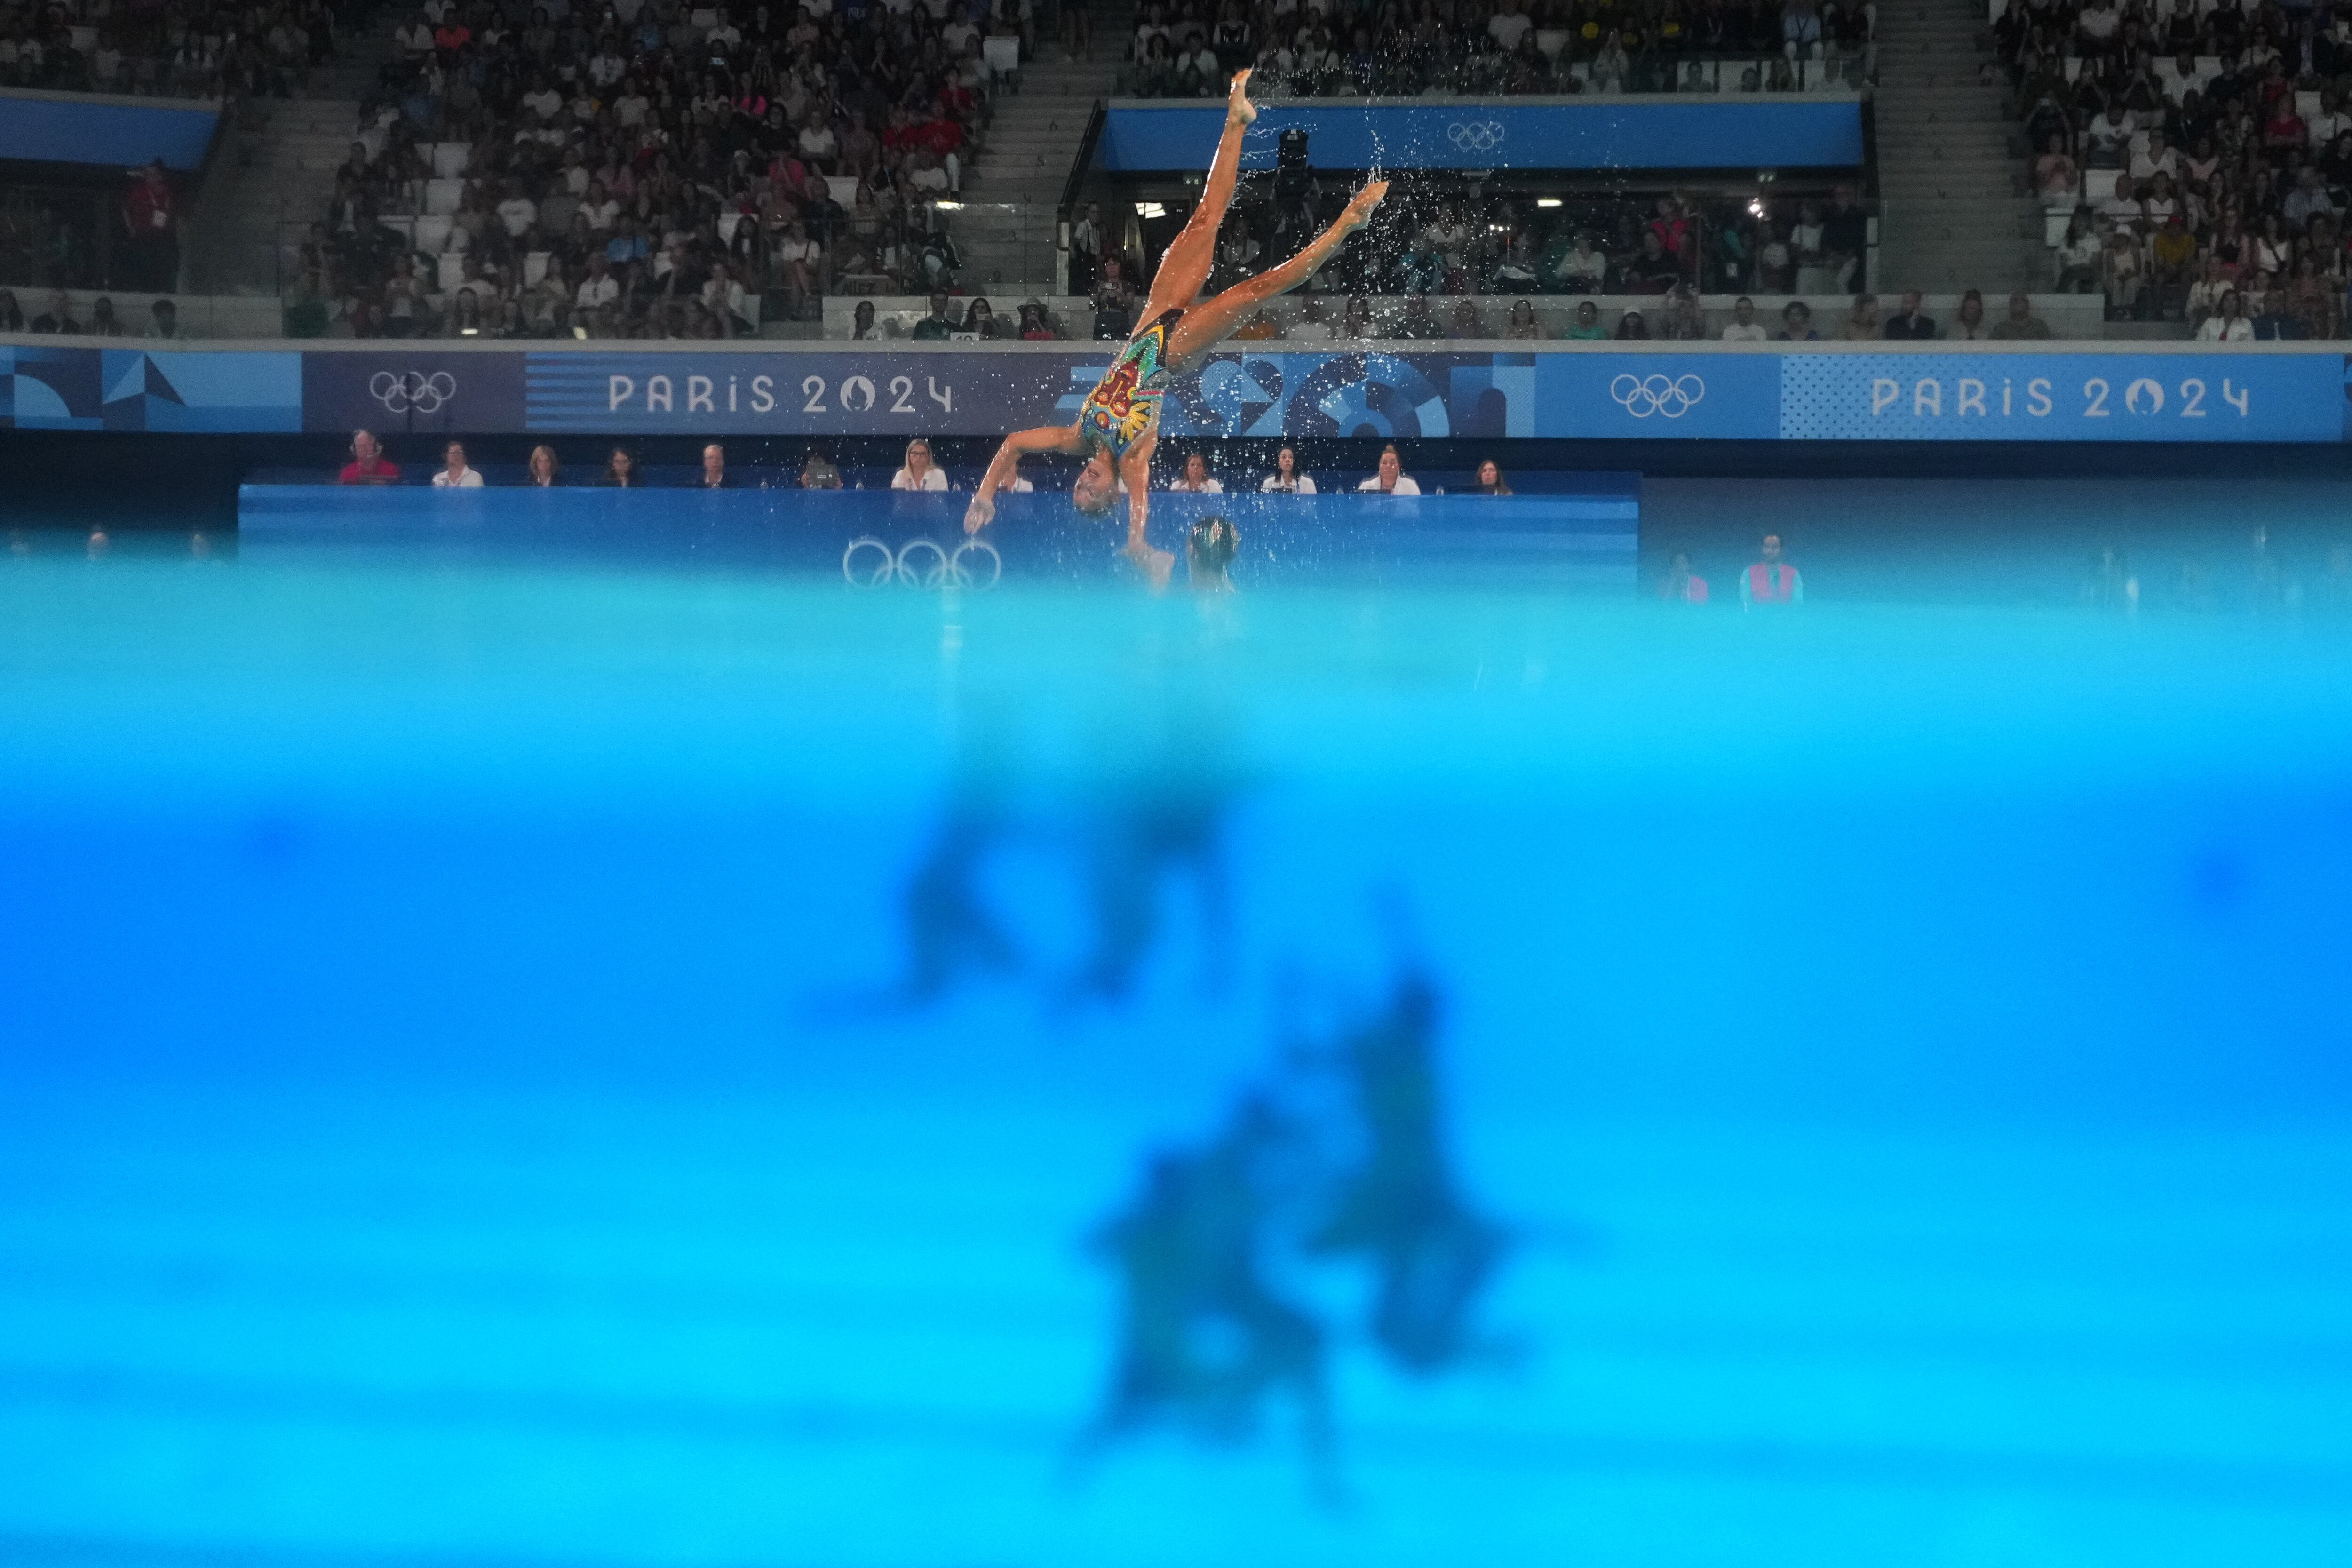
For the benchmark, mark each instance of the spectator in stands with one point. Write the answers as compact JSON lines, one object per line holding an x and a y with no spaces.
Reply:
{"x":1523,"y":325}
{"x":164,"y":320}
{"x":620,"y":470}
{"x":1632,"y":328}
{"x":2228,"y":323}
{"x":103,"y":323}
{"x":12,"y":315}
{"x":151,"y":223}
{"x":1683,"y":324}
{"x":1796,"y":324}
{"x":1861,"y":324}
{"x":714,"y":469}
{"x":1771,"y":580}
{"x":941,"y":323}
{"x":918,"y":474}
{"x":1682,"y":585}
{"x":1490,"y":479}
{"x":1391,"y":479}
{"x":1744,"y":327}
{"x":1195,"y":479}
{"x":2082,"y":256}
{"x":1035,"y":329}
{"x":819,"y":472}
{"x":368,"y":466}
{"x":1286,"y":479}
{"x":1586,"y":328}
{"x":2056,"y":177}
{"x":454,"y":474}
{"x":1969,"y":322}
{"x":1911,"y":324}
{"x":59,"y":319}
{"x":2020,"y":322}
{"x":543,"y":469}
{"x":862,"y":327}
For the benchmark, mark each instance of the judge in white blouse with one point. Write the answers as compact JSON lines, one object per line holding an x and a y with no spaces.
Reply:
{"x":454,"y":474}
{"x":1195,"y":479}
{"x":918,"y":474}
{"x":1392,"y":480}
{"x":1285,"y":478}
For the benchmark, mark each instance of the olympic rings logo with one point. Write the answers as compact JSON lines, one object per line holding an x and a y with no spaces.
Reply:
{"x":1476,"y":135}
{"x":1672,"y":397}
{"x":868,"y":563}
{"x":425,"y":393}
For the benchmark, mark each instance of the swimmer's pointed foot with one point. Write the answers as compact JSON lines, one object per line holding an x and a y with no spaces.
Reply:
{"x":1239,"y":110}
{"x":1360,"y":211}
{"x":978,"y":515}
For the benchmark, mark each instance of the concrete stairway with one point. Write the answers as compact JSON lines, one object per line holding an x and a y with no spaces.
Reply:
{"x":1034,"y":136}
{"x":281,"y":174}
{"x":1950,"y":161}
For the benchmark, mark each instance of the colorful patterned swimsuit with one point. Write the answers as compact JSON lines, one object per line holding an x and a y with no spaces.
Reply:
{"x":1124,"y":403}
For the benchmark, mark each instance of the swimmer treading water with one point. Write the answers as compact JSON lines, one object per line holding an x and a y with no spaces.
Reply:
{"x":1119,"y":423}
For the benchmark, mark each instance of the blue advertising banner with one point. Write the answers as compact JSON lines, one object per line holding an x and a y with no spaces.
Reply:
{"x":131,"y":389}
{"x":1660,"y":395}
{"x":855,"y":393}
{"x":1598,"y":132}
{"x":122,"y":132}
{"x":1687,"y":391}
{"x":2062,"y":397}
{"x":428,"y":390}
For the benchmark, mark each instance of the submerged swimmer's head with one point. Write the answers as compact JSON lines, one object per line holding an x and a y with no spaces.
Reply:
{"x":1097,"y":485}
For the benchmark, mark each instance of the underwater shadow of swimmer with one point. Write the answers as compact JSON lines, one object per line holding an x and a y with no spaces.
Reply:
{"x":1205,"y":1340}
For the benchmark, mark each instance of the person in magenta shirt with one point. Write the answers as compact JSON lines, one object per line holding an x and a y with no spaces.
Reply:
{"x":369,"y":466}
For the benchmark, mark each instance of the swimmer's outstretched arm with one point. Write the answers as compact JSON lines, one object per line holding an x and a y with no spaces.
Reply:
{"x":1135,"y":473}
{"x":1063,"y":438}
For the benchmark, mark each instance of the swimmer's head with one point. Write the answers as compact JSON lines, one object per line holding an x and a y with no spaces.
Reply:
{"x":1097,"y":485}
{"x":1209,"y":552}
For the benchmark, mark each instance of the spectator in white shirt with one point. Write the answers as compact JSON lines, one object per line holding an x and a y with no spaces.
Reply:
{"x":543,"y":100}
{"x":1195,"y":479}
{"x":600,"y":288}
{"x":918,"y":474}
{"x":1286,"y":479}
{"x":1392,"y":480}
{"x":454,"y":475}
{"x":2227,"y":324}
{"x":1744,"y":327}
{"x":1508,"y":24}
{"x":517,"y":212}
{"x":2155,"y":159}
{"x":817,"y":145}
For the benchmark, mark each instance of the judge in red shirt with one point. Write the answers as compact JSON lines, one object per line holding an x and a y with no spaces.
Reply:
{"x":370,"y":465}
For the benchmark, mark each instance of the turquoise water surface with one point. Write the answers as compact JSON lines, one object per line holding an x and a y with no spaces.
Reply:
{"x":533,"y":1066}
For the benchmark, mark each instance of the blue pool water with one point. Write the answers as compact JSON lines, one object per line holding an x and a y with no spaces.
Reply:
{"x":536,"y":1062}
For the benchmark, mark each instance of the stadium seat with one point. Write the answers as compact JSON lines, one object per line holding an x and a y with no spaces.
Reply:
{"x":433,"y":233}
{"x":450,"y":159}
{"x":451,"y":269}
{"x":2098,"y":184}
{"x":844,"y":188}
{"x":534,"y":268}
{"x":1003,"y":55}
{"x":443,"y":197}
{"x":2306,"y":104}
{"x":2054,"y":222}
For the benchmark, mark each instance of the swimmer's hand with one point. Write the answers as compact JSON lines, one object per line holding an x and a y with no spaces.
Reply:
{"x":979,"y":514}
{"x":1360,"y":211}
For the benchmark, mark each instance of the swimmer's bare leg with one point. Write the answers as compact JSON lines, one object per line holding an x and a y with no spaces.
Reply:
{"x":1207,"y":325}
{"x":1184,"y":266}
